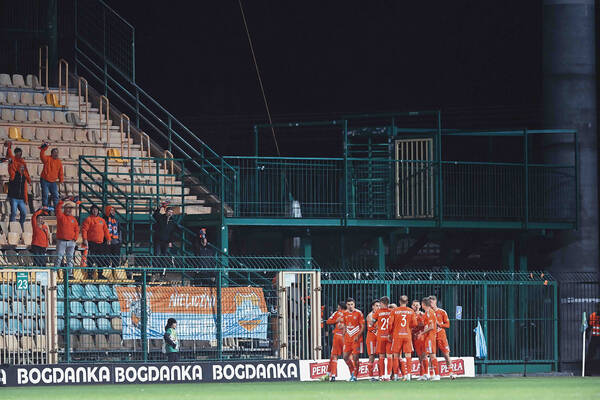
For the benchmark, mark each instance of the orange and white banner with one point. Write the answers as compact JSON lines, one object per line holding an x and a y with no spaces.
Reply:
{"x":243,"y":309}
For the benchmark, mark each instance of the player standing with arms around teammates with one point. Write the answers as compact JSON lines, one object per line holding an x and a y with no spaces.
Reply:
{"x":443,"y":323}
{"x":419,"y":342}
{"x":372,"y":337}
{"x":337,"y":346}
{"x":428,"y":333}
{"x":355,"y":327}
{"x":384,"y":341}
{"x":402,"y":321}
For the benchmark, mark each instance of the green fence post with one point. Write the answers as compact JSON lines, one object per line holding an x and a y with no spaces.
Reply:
{"x":144,"y":317}
{"x":555,"y":312}
{"x":219,"y":317}
{"x":526,"y":194}
{"x":346,"y":177}
{"x":508,"y":259}
{"x":439,"y":161}
{"x":380,"y":254}
{"x":307,"y":245}
{"x":485,"y":324}
{"x":67,"y":315}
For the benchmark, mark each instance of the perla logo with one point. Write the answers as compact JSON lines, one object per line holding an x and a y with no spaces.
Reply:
{"x":2,"y":377}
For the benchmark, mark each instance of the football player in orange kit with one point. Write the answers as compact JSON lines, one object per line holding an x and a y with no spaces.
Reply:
{"x":353,"y":339}
{"x":418,"y":342}
{"x":337,"y":347}
{"x":403,"y":319}
{"x":384,"y":341}
{"x":443,"y":323}
{"x":428,"y":334}
{"x":372,"y":337}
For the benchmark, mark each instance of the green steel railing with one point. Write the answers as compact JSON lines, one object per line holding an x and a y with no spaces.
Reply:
{"x":518,"y":311}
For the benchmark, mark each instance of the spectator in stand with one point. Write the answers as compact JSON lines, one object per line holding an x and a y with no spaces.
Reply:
{"x":203,"y":250}
{"x":113,"y":245}
{"x":164,"y":230}
{"x":40,"y":237}
{"x":19,"y":178}
{"x":67,"y":230}
{"x":17,"y":194}
{"x":52,"y":172}
{"x":94,"y":231}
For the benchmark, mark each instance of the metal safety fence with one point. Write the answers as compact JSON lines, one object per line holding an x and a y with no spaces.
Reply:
{"x":259,"y":308}
{"x":517,"y":311}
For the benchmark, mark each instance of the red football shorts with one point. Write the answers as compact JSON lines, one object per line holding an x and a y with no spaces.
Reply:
{"x":337,"y":348}
{"x":402,"y":344}
{"x":442,"y":343}
{"x":419,"y":345}
{"x":384,"y":345}
{"x":430,"y":343}
{"x":353,"y":347}
{"x":371,"y":344}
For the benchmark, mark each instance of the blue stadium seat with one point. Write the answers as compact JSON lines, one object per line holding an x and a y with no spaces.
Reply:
{"x":75,"y":324}
{"x":114,"y":292}
{"x":103,"y":324}
{"x":90,"y":308}
{"x":104,"y":309}
{"x":28,"y":326}
{"x":60,"y":291}
{"x":17,"y":308}
{"x":105,"y":292}
{"x":32,"y":308}
{"x":43,"y":308}
{"x":35,"y":291}
{"x":91,"y":292}
{"x":77,"y":292}
{"x":60,"y":308}
{"x":4,"y":308}
{"x":116,"y":306}
{"x":76,"y":309}
{"x":42,"y":326}
{"x":14,"y":326}
{"x":3,"y":328}
{"x":60,"y":324}
{"x":89,"y":325}
{"x":5,"y":291}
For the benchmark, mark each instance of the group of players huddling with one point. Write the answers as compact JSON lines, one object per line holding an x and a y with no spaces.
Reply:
{"x":391,"y":332}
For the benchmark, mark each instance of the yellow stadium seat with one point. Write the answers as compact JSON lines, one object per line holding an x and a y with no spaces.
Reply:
{"x":116,"y":155}
{"x":14,"y":133}
{"x":52,"y":99}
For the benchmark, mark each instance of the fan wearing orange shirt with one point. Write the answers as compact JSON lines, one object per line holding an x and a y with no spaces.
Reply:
{"x":353,"y":340}
{"x":403,"y":319}
{"x":337,"y":347}
{"x":428,"y":334}
{"x":372,"y":337}
{"x":419,"y":342}
{"x":443,"y":323}
{"x":384,"y":340}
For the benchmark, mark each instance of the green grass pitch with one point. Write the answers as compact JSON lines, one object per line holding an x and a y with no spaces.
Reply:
{"x":560,"y":388}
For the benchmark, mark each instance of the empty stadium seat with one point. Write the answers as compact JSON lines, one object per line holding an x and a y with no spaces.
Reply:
{"x":77,"y":291}
{"x":41,"y":326}
{"x":114,"y":341}
{"x":28,"y":133}
{"x":116,"y":306}
{"x":12,"y":98}
{"x":5,"y":291}
{"x":17,"y":308}
{"x":90,"y":308}
{"x":38,"y":99}
{"x":47,"y":116}
{"x":27,"y":98}
{"x":18,"y":81}
{"x":5,"y":80}
{"x":28,"y":326}
{"x":89,"y":325}
{"x":91,"y":292}
{"x":76,"y":309}
{"x":14,"y":133}
{"x":86,"y":342}
{"x":33,"y":308}
{"x":36,"y":291}
{"x":52,"y":100}
{"x":34,"y":116}
{"x":59,"y":117}
{"x":54,"y":135}
{"x":7,"y":114}
{"x":105,"y":309}
{"x":68,"y":135}
{"x":116,"y":324}
{"x":104,"y":324}
{"x":60,"y":324}
{"x":27,"y":343}
{"x":41,"y":134}
{"x":5,"y":308}
{"x":101,"y":342}
{"x":20,"y":115}
{"x":105,"y":292}
{"x":33,"y":82}
{"x":14,"y":326}
{"x":60,"y":291}
{"x":75,"y":324}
